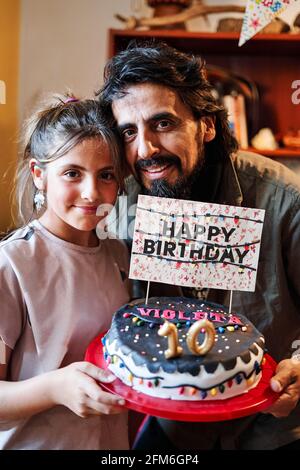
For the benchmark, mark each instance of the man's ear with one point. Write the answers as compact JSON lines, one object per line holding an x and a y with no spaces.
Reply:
{"x":208,"y":128}
{"x":38,"y":174}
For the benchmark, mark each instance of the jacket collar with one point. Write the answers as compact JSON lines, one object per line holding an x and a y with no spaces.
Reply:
{"x":230,"y":192}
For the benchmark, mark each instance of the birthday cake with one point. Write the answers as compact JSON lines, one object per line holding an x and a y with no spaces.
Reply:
{"x":137,"y":351}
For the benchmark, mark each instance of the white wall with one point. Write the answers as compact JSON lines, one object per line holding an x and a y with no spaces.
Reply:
{"x":64,"y":43}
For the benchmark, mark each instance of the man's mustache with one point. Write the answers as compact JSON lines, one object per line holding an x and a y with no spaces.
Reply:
{"x":158,"y":160}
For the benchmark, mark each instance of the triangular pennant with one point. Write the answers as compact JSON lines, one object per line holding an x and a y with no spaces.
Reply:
{"x":259,"y":13}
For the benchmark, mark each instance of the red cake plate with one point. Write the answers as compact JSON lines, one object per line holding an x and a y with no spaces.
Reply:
{"x":257,"y":399}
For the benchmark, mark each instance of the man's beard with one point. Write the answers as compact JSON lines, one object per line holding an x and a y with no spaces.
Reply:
{"x":182,"y":188}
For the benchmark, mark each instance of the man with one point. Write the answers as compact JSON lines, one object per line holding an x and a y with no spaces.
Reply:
{"x":178,"y":144}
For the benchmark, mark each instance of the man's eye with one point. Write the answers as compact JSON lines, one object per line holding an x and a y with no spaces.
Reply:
{"x":164,"y":124}
{"x":128,"y":134}
{"x":72,"y":174}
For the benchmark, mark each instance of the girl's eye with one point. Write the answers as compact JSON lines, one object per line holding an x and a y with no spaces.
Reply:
{"x":72,"y":174}
{"x":107,"y":176}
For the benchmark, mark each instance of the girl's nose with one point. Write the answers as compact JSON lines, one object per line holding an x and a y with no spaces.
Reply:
{"x":90,"y":190}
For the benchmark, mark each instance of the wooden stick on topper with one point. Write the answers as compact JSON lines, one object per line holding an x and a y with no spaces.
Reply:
{"x":230,"y":301}
{"x":147,"y":293}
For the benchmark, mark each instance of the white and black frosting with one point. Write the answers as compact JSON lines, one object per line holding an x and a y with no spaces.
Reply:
{"x":135,"y":351}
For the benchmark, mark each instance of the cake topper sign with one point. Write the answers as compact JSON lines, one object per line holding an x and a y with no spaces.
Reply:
{"x":196,"y":244}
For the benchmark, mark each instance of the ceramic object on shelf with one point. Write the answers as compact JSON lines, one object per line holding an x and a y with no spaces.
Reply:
{"x":168,"y":8}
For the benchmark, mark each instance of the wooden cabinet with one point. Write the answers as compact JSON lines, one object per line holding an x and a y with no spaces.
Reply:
{"x":271,"y":61}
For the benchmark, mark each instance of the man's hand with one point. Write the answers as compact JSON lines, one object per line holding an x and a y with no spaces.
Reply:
{"x":286,"y":381}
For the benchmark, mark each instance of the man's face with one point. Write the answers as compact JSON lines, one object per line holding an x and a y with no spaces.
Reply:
{"x":163,"y":141}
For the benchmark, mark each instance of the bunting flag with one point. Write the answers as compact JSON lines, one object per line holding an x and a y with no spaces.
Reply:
{"x":259,"y":13}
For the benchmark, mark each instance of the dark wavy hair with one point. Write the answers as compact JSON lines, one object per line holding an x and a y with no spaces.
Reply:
{"x":159,"y":63}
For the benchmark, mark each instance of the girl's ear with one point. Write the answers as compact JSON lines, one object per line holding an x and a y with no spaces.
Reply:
{"x":38,"y":174}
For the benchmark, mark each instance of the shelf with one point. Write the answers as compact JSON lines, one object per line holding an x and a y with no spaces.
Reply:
{"x":211,"y":43}
{"x":271,"y":61}
{"x":279,"y":153}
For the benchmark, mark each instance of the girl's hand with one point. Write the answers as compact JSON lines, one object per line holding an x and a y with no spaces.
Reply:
{"x":76,"y":387}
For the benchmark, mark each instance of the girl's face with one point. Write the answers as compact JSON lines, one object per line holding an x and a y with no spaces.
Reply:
{"x":76,"y":184}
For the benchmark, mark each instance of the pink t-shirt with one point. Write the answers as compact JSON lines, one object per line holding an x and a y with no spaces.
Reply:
{"x":55,"y":298}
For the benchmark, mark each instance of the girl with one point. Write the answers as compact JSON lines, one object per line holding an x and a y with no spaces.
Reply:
{"x":59,"y":286}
